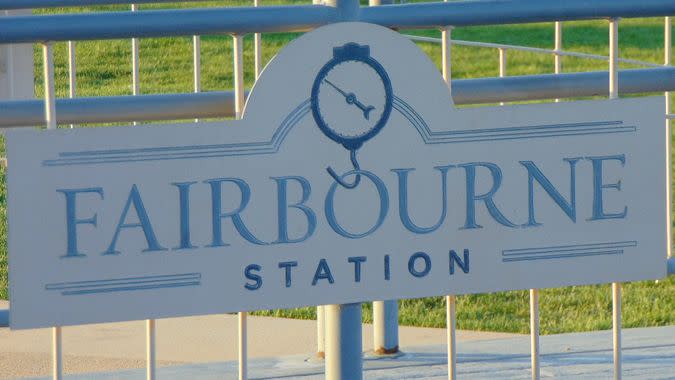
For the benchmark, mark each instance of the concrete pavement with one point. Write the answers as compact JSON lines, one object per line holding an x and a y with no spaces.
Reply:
{"x":649,"y":353}
{"x":203,"y":339}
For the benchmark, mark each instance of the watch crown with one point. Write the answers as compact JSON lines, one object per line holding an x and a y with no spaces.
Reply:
{"x":351,"y":50}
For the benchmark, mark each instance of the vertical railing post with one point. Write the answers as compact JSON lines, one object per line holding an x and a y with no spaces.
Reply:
{"x":320,"y":310}
{"x":502,"y":66}
{"x":668,"y":51}
{"x":197,"y":64}
{"x":71,"y":71}
{"x":534,"y":333}
{"x":135,"y":86}
{"x":48,"y":71}
{"x":446,"y":46}
{"x":385,"y":327}
{"x":557,"y":58}
{"x":50,"y":123}
{"x":321,"y":332}
{"x":239,"y":101}
{"x":616,"y":287}
{"x":257,"y":53}
{"x":57,"y":361}
{"x":150,"y":354}
{"x":343,"y":342}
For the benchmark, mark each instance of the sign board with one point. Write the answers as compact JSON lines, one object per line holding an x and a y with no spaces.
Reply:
{"x":350,"y":178}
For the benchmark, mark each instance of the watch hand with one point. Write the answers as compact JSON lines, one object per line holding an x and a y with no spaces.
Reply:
{"x":336,"y":87}
{"x":350,"y":98}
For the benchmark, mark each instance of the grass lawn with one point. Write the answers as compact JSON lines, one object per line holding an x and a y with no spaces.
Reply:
{"x":166,"y":66}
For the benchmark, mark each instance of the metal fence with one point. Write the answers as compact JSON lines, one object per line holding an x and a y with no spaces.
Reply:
{"x":136,"y":24}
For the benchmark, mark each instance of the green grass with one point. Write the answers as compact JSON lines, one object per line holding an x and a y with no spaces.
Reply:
{"x":166,"y":66}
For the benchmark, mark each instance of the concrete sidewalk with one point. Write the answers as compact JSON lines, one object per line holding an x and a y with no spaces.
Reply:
{"x":649,"y":353}
{"x":205,"y":348}
{"x":180,"y":341}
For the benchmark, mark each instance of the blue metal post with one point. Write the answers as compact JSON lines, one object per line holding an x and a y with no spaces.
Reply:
{"x":344,"y":359}
{"x":343,"y":342}
{"x":385,"y":327}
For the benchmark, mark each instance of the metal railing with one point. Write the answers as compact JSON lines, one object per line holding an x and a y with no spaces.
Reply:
{"x":239,"y":21}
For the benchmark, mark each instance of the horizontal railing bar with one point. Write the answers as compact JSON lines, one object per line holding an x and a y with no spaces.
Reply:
{"x":175,"y":22}
{"x":531,"y":50}
{"x":109,"y":109}
{"x":163,"y":23}
{"x":552,"y":86}
{"x":221,"y":104}
{"x":33,"y":4}
{"x":494,"y":12}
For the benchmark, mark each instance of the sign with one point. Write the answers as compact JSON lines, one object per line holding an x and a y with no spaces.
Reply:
{"x":350,"y":178}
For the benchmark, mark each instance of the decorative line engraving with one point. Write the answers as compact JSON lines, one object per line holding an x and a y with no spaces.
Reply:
{"x":92,"y":157}
{"x":567,"y":251}
{"x":506,"y":133}
{"x":126,"y":284}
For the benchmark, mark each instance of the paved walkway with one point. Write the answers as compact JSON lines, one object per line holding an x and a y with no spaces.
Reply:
{"x":204,"y":339}
{"x":205,"y":348}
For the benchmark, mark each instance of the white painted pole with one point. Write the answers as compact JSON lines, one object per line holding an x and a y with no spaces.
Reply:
{"x":451,"y":323}
{"x":150,"y":354}
{"x":321,"y":332}
{"x":446,"y":41}
{"x":557,"y":59}
{"x":616,"y":287}
{"x":50,"y":122}
{"x":534,"y":333}
{"x":343,"y":342}
{"x":668,"y":51}
{"x":257,"y":59}
{"x":57,"y":362}
{"x":614,"y":58}
{"x":48,"y":71}
{"x":71,"y":71}
{"x":502,"y":65}
{"x":135,"y":86}
{"x":239,"y":99}
{"x":197,"y":64}
{"x":385,"y":327}
{"x":239,"y":96}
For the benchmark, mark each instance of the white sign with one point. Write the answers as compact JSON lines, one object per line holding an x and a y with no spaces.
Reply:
{"x":350,"y":178}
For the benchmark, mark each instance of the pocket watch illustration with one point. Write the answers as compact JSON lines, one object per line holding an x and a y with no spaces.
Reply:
{"x":351,"y":100}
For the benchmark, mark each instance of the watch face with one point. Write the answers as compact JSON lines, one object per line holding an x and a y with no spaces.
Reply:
{"x":352,"y":99}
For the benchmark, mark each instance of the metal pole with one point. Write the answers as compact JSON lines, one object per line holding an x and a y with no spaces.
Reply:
{"x":616,"y":287}
{"x":48,"y":70}
{"x":71,"y":71}
{"x":197,"y":64}
{"x":150,"y":354}
{"x":450,"y":324}
{"x":343,"y":342}
{"x":385,"y":327}
{"x":534,"y":333}
{"x":239,"y":99}
{"x":320,"y":310}
{"x":343,"y":322}
{"x":557,"y":59}
{"x":668,"y":46}
{"x":135,"y":86}
{"x":57,"y":363}
{"x":321,"y":332}
{"x":446,"y":41}
{"x":502,"y":66}
{"x":257,"y":59}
